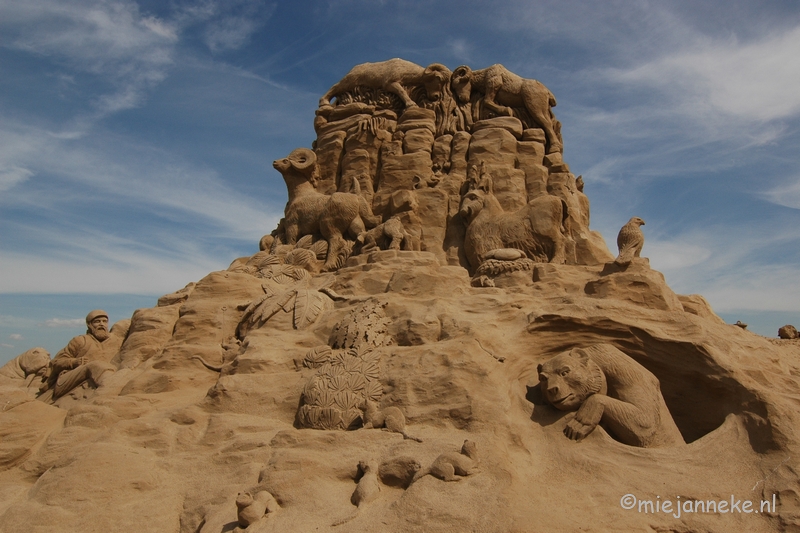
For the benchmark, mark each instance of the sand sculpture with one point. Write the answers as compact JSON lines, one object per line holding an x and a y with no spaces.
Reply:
{"x":309,"y":212}
{"x":604,"y":385}
{"x":86,"y":358}
{"x":389,"y":235}
{"x":502,"y":89}
{"x":26,"y":369}
{"x":390,"y":418}
{"x":251,"y":509}
{"x":787,"y":332}
{"x":535,"y":229}
{"x":250,"y":390}
{"x":630,"y":241}
{"x":367,"y":489}
{"x":452,"y":466}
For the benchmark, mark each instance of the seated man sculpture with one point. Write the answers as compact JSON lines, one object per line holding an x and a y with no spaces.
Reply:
{"x":85,"y":358}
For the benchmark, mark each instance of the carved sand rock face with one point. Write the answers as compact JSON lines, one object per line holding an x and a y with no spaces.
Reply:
{"x":633,"y":410}
{"x":349,"y":369}
{"x":501,"y":321}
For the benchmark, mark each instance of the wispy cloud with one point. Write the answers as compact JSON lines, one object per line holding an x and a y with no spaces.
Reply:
{"x":11,"y":176}
{"x":460,"y":49}
{"x":110,"y":40}
{"x":734,"y":268}
{"x":755,"y":81}
{"x":15,"y":337}
{"x":225,"y":24}
{"x":786,"y":194}
{"x":117,"y":169}
{"x":129,"y":273}
{"x":63,"y":322}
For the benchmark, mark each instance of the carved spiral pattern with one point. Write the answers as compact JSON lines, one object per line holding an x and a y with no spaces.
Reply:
{"x":348,"y":374}
{"x":495,"y":267}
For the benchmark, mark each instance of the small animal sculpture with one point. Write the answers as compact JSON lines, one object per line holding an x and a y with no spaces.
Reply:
{"x":452,"y":466}
{"x":367,"y":489}
{"x":32,"y":362}
{"x":503,"y":90}
{"x":309,"y":212}
{"x":230,"y":350}
{"x":606,"y":386}
{"x":252,"y":508}
{"x":389,"y":419}
{"x":399,"y":471}
{"x":536,"y":229}
{"x":391,"y":231}
{"x":392,"y":76}
{"x":630,"y":241}
{"x":788,"y":332}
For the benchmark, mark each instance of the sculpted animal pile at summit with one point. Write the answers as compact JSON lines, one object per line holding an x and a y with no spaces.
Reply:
{"x":450,"y":144}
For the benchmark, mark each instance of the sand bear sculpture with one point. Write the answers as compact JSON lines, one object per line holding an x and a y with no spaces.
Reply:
{"x":309,"y":212}
{"x":606,"y":386}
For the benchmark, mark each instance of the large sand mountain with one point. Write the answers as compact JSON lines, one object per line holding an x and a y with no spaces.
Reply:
{"x":166,"y":443}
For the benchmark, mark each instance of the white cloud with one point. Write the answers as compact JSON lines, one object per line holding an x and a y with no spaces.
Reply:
{"x":754,"y":81}
{"x":5,"y":345}
{"x":230,"y":33}
{"x":229,"y":24}
{"x":727,"y":266}
{"x":108,"y":39}
{"x":121,"y":169}
{"x":15,"y":337}
{"x":672,"y":255}
{"x":786,"y":194}
{"x":111,"y":272}
{"x":10,"y":176}
{"x":460,"y":49}
{"x":63,"y":322}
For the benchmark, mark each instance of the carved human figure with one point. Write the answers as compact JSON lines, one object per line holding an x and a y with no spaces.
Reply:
{"x":606,"y":386}
{"x":630,"y":241}
{"x":309,"y":212}
{"x":392,"y":76}
{"x":503,"y":90}
{"x":536,"y":229}
{"x":86,"y":357}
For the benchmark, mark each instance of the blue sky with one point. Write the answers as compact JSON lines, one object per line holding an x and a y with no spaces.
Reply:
{"x":137,"y":138}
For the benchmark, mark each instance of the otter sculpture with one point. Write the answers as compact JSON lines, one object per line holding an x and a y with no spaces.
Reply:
{"x":606,"y":386}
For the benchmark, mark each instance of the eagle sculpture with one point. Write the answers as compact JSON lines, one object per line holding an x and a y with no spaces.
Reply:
{"x":630,"y":241}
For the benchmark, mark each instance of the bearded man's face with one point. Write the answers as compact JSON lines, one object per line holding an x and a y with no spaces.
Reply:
{"x":99,"y":328}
